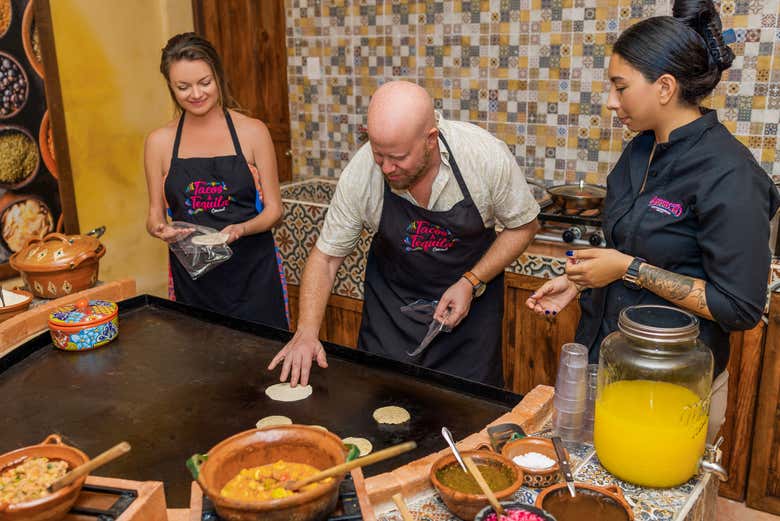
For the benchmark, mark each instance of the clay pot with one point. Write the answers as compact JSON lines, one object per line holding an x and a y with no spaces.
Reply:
{"x":534,"y":478}
{"x":613,"y":492}
{"x":25,"y":95}
{"x":5,"y":23}
{"x":293,"y":443}
{"x":465,"y":505}
{"x":59,"y":265}
{"x":85,"y":325}
{"x":54,"y":506}
{"x":509,"y":506}
{"x":47,"y":149}
{"x":27,"y":38}
{"x":7,"y":312}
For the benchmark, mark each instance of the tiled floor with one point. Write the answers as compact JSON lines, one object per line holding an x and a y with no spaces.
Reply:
{"x":732,"y":511}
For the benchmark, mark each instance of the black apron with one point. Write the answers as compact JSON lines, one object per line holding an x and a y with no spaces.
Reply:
{"x":418,"y":253}
{"x":216,"y":192}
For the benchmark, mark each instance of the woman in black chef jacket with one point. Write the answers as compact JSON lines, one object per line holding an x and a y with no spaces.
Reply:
{"x":208,"y":167}
{"x":686,"y":216}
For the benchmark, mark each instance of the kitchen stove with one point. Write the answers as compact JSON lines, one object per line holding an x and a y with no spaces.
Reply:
{"x":581,"y":229}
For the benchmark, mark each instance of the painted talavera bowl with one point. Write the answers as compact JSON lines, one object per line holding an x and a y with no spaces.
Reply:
{"x":84,"y":325}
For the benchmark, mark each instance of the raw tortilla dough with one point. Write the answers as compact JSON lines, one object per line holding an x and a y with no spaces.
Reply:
{"x":363,"y":445}
{"x":210,"y":239}
{"x":285,"y":393}
{"x":391,"y":414}
{"x":270,"y":421}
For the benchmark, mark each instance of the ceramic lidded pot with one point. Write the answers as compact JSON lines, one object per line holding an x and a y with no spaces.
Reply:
{"x":58,"y":264}
{"x":85,"y":325}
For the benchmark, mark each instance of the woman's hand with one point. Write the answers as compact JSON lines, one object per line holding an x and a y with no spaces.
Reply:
{"x":169,"y":234}
{"x":596,"y":267}
{"x":553,"y":296}
{"x":234,"y":231}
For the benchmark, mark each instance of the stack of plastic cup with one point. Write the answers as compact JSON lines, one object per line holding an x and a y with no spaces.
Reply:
{"x":592,"y":379}
{"x":571,"y":393}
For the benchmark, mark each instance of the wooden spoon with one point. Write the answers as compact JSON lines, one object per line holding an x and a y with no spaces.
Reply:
{"x":342,"y":468}
{"x":85,"y":468}
{"x":402,"y":508}
{"x":474,"y":471}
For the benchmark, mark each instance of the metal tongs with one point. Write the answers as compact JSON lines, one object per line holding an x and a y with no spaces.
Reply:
{"x":434,"y":329}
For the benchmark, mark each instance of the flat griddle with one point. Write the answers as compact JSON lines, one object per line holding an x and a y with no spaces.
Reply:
{"x":178,"y":380}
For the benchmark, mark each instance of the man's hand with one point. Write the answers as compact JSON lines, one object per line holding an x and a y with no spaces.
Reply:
{"x":552,"y":297}
{"x":457,"y":299}
{"x":297,"y":356}
{"x":596,"y":267}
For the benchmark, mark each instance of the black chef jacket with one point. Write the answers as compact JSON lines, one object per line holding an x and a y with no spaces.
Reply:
{"x":704,"y":213}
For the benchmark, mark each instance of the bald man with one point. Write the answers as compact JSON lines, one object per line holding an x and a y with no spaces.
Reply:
{"x":433,"y":192}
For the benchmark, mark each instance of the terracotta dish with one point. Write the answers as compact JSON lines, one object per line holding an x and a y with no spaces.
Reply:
{"x":46,"y":145}
{"x":514,"y":506}
{"x":466,"y":505}
{"x":59,"y":265}
{"x":535,"y":478}
{"x":30,"y":39}
{"x":294,"y":443}
{"x":611,"y":494}
{"x":12,"y":310}
{"x":20,"y":159}
{"x":54,"y":506}
{"x":23,"y":217}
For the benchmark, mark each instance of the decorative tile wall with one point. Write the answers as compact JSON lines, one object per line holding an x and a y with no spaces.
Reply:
{"x":533,"y":72}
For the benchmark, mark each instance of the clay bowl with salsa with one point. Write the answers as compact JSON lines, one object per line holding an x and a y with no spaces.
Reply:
{"x":514,"y":511}
{"x":591,"y":502}
{"x":47,"y":507}
{"x":299,"y":444}
{"x":460,"y":491}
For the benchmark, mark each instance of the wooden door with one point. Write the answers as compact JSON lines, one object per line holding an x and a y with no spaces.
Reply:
{"x":250,"y":37}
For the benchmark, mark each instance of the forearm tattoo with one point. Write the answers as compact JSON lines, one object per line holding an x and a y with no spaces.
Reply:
{"x":675,"y":287}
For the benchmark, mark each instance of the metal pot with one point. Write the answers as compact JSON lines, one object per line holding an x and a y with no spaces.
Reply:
{"x":578,"y":196}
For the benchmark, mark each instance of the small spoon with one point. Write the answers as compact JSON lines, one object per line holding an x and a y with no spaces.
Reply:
{"x":381,"y":455}
{"x":85,"y":468}
{"x":448,"y":436}
{"x":474,"y":471}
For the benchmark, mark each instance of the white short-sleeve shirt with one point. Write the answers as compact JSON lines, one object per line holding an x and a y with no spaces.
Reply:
{"x":490,"y":171}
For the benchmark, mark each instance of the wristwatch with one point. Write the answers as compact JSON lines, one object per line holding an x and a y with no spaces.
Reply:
{"x":631,"y":276}
{"x":477,"y":286}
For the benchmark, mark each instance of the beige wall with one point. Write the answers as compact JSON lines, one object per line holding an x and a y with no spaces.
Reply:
{"x":108,"y":54}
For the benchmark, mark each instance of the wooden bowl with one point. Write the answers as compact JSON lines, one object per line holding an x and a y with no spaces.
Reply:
{"x":513,"y":505}
{"x":54,"y":506}
{"x":46,"y":147}
{"x":465,"y":505}
{"x":7,"y":312}
{"x":535,"y":478}
{"x":21,"y":183}
{"x":613,"y":492}
{"x":292,"y":443}
{"x":28,"y":18}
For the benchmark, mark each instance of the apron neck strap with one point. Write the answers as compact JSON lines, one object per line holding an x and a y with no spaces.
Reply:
{"x":178,"y":136}
{"x":455,"y":169}
{"x":233,"y":134}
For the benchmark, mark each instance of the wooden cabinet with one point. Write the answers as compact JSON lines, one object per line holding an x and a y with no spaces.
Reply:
{"x":763,"y":491}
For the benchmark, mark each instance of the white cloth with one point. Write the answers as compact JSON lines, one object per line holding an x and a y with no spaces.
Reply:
{"x":489,"y":169}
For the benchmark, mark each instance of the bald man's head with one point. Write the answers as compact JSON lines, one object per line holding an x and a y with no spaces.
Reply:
{"x":400,"y":110}
{"x":402,"y":132}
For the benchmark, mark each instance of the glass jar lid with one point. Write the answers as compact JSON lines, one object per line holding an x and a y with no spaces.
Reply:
{"x":661,"y":324}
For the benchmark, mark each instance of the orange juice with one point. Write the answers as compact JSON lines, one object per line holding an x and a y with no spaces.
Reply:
{"x":650,"y":433}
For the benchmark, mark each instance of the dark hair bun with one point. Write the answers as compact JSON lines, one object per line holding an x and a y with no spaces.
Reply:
{"x":703,"y":17}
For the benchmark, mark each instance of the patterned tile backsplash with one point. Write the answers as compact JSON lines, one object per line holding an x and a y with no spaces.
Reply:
{"x":533,"y":72}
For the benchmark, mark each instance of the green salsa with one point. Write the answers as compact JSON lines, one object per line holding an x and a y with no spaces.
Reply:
{"x":497,"y":476}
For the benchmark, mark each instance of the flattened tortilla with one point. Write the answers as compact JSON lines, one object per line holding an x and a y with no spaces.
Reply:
{"x":392,"y":414}
{"x":363,"y":445}
{"x":269,"y":421}
{"x":210,"y":239}
{"x":285,"y":393}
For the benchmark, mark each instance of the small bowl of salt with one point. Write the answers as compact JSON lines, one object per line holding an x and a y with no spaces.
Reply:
{"x":14,"y":302}
{"x":536,"y":456}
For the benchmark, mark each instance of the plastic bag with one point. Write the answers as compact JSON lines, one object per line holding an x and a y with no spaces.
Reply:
{"x":201,"y":250}
{"x":422,"y":310}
